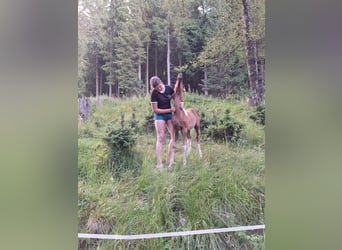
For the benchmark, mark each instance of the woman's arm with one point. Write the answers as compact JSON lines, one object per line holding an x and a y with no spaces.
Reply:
{"x":161,"y":111}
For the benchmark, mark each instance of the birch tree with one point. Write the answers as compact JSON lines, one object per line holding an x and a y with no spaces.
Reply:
{"x":256,"y":89}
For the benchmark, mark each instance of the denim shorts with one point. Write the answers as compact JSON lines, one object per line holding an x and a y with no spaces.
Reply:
{"x":165,"y":117}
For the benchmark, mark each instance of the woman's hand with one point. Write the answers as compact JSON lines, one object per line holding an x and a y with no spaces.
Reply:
{"x":173,"y":109}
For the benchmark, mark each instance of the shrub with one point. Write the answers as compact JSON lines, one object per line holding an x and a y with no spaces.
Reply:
{"x":206,"y":122}
{"x":121,"y":143}
{"x":120,"y":140}
{"x":149,"y":123}
{"x":258,"y":115}
{"x":225,"y":129}
{"x":134,"y":124}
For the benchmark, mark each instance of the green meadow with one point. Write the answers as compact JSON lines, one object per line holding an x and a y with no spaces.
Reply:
{"x":121,"y":192}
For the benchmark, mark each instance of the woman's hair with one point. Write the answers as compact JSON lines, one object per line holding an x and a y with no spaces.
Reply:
{"x":154,"y":81}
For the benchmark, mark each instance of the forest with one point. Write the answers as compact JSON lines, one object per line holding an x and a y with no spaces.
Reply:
{"x":217,"y":45}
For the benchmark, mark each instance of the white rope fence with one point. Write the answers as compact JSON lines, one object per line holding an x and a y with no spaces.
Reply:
{"x":171,"y":234}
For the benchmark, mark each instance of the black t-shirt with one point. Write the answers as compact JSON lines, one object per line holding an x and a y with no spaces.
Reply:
{"x":163,"y":100}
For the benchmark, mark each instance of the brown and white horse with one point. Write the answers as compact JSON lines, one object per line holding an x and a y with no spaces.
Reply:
{"x":184,"y":120}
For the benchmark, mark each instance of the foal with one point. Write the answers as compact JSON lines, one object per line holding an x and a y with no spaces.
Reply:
{"x":184,"y":120}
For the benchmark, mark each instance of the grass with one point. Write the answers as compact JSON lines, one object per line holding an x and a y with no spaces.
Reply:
{"x":223,"y":189}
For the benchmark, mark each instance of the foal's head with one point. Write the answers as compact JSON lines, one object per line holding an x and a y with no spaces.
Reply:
{"x":179,"y":87}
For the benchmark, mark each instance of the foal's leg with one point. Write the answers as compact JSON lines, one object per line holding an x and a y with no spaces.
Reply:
{"x":185,"y":138}
{"x":198,"y":133}
{"x":188,"y":141}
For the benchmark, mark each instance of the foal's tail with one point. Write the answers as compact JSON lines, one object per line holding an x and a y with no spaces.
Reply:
{"x":198,"y":132}
{"x":197,"y":125}
{"x":198,"y":118}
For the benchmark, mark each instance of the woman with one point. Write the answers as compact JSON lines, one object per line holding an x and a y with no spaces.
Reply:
{"x":161,"y":105}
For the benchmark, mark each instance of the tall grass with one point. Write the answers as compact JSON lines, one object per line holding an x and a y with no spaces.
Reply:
{"x":225,"y":188}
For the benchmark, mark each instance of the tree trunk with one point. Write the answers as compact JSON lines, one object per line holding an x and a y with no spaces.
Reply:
{"x":205,"y":81}
{"x":168,"y":58}
{"x":139,"y":75}
{"x":139,"y":72}
{"x":251,"y":57}
{"x":110,"y":91}
{"x":147,"y":54}
{"x":261,"y":74}
{"x":97,"y":78}
{"x":155,"y":61}
{"x":101,"y":82}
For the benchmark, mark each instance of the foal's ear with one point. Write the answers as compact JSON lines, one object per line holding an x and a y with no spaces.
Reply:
{"x":180,"y":76}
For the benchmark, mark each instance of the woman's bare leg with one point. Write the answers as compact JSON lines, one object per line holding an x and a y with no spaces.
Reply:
{"x":170,"y":151}
{"x":160,"y":130}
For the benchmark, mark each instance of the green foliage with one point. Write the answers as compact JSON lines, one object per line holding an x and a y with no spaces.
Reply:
{"x":225,"y":129}
{"x":250,"y":241}
{"x":149,"y":123}
{"x":134,"y":124}
{"x":120,"y":140}
{"x":259,"y":115}
{"x":86,"y":130}
{"x":121,"y":143}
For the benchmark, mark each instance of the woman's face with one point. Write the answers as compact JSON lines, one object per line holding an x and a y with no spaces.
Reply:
{"x":160,"y":87}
